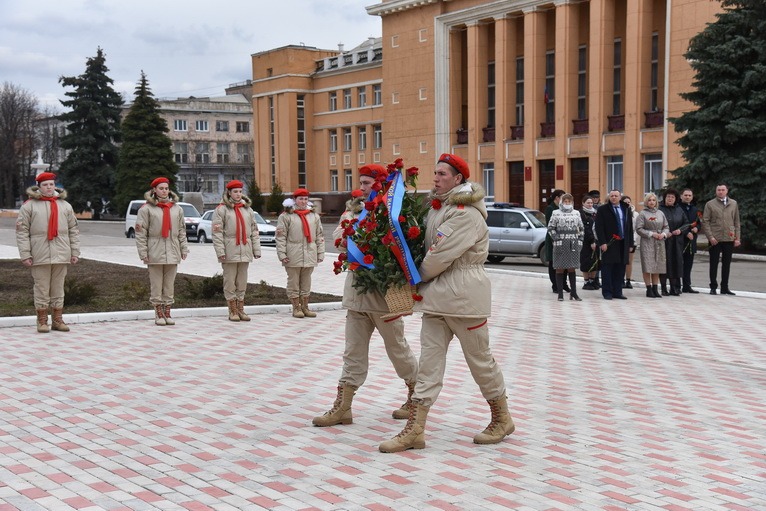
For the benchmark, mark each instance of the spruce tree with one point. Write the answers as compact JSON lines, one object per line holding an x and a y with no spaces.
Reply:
{"x":254,"y":192}
{"x":93,"y":130}
{"x":146,"y":152}
{"x":724,"y":138}
{"x":274,"y":202}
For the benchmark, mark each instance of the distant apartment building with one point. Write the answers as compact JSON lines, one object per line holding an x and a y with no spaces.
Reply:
{"x":535,"y":95}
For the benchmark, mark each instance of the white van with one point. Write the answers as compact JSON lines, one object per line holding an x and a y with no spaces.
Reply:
{"x":191,"y":217}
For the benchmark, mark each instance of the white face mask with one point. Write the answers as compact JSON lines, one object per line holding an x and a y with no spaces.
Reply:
{"x":566,"y":208}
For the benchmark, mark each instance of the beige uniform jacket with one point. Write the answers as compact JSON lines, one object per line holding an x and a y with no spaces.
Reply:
{"x":457,"y":242}
{"x":225,"y":232}
{"x":149,"y":240}
{"x":372,"y":302}
{"x":292,"y":243}
{"x":32,"y":230}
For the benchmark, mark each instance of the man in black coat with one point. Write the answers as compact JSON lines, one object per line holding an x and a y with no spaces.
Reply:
{"x":614,"y":235}
{"x":693,"y":218}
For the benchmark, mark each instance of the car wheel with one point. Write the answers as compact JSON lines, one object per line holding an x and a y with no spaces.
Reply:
{"x":542,"y":255}
{"x":201,"y":237}
{"x":495,"y":259}
{"x":131,"y":233}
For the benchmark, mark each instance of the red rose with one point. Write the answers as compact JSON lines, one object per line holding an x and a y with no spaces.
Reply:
{"x":357,"y":193}
{"x":413,"y":232}
{"x":412,"y":171}
{"x":337,"y":241}
{"x":436,"y":204}
{"x":377,"y":186}
{"x":342,"y":256}
{"x":402,"y":219}
{"x":369,"y":206}
{"x":398,"y":163}
{"x":387,"y":239}
{"x":616,"y":237}
{"x":416,"y":297}
{"x":368,"y":259}
{"x":348,"y":231}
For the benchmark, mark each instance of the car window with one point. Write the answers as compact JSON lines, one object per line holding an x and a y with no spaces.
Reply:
{"x":207,"y":215}
{"x":190,"y":210}
{"x":536,"y":218}
{"x":513,"y":220}
{"x":259,"y":219}
{"x":495,"y":218}
{"x":134,"y":207}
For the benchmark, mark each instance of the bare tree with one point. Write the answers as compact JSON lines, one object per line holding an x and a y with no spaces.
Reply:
{"x":17,"y":110}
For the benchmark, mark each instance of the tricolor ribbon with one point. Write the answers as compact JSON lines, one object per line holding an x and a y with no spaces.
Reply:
{"x":400,"y":248}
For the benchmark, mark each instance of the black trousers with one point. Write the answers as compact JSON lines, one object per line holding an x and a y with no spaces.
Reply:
{"x":688,"y":263}
{"x":721,"y":251}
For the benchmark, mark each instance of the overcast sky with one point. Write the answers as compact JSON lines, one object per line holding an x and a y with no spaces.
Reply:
{"x":186,"y":48}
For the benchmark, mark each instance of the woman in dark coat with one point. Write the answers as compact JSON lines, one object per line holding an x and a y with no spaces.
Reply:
{"x":674,"y":244}
{"x":588,"y":254}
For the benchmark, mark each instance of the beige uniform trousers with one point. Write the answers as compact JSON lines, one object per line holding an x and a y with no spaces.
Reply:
{"x":162,"y":280}
{"x":234,"y":280}
{"x":356,"y":357}
{"x":298,"y":281}
{"x":435,"y":336}
{"x":49,"y":285}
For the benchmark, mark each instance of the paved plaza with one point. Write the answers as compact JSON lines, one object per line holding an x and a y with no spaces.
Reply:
{"x":619,"y":405}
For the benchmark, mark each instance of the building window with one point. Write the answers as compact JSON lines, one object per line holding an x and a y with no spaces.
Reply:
{"x":346,"y":98}
{"x":201,"y":126}
{"x":655,"y":74}
{"x":652,"y":172}
{"x":333,"y":141}
{"x":422,"y":94}
{"x":394,"y":41}
{"x":394,"y":98}
{"x":362,"y":142}
{"x":346,"y":139}
{"x":423,"y":35}
{"x":243,"y":153}
{"x":617,"y":77}
{"x":582,"y":82}
{"x":348,"y":177}
{"x":488,"y":174}
{"x":614,"y":173}
{"x":300,"y":113}
{"x":361,"y":96}
{"x":333,"y":180}
{"x":179,"y":125}
{"x":550,"y":86}
{"x":377,"y":136}
{"x":202,"y":152}
{"x":272,"y":142}
{"x":333,"y":101}
{"x":519,"y":91}
{"x":396,"y":149}
{"x":377,"y":95}
{"x":423,"y":147}
{"x":243,"y":127}
{"x":491,"y":95}
{"x":222,"y":152}
{"x":222,"y":125}
{"x":181,"y":150}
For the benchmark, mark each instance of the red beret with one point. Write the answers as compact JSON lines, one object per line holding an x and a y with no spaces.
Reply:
{"x":457,"y":163}
{"x":301,"y":192}
{"x":373,"y":170}
{"x":45,"y":176}
{"x":236,"y":183}
{"x":159,"y":181}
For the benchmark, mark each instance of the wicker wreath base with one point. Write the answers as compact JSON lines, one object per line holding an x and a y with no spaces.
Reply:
{"x":399,"y":301}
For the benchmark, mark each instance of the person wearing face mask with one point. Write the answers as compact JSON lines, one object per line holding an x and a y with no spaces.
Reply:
{"x":48,"y":239}
{"x":652,"y":227}
{"x":161,"y":244}
{"x":567,"y":232}
{"x":553,"y":205}
{"x":236,"y":243}
{"x":588,"y":255}
{"x":674,"y":244}
{"x":300,"y":247}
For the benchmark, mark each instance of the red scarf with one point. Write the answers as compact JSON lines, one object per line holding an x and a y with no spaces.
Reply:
{"x":165,"y":217}
{"x":241,"y":231}
{"x":306,"y":230}
{"x":53,"y":221}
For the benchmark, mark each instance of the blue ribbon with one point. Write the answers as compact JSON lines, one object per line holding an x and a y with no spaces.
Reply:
{"x":394,"y":203}
{"x":354,"y":254}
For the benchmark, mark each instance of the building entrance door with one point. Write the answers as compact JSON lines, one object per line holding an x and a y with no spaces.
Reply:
{"x":578,"y":178}
{"x":516,"y":182}
{"x":547,"y":181}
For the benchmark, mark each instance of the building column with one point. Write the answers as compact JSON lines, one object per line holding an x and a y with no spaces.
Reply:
{"x":534,"y":87}
{"x":567,"y":30}
{"x":504,"y":65}
{"x":475,"y":93}
{"x":600,"y":87}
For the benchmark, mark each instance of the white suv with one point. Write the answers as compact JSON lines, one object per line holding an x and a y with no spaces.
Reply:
{"x":191,"y":217}
{"x":515,"y":231}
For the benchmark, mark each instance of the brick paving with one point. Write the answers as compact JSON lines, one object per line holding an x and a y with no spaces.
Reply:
{"x":623,"y":405}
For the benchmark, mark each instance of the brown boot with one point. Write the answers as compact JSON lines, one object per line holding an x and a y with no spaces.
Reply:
{"x":404,"y":411}
{"x":166,"y":313}
{"x":297,"y":311}
{"x":500,"y":426}
{"x":233,"y":315}
{"x":241,"y":311}
{"x":340,"y":413}
{"x":57,"y":321}
{"x":42,"y":321}
{"x":413,"y":435}
{"x":159,"y":315}
{"x":305,"y":308}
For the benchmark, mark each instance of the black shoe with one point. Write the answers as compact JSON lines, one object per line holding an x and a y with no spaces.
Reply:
{"x":574,"y":296}
{"x":566,"y":289}
{"x":674,"y":291}
{"x":607,"y":298}
{"x":690,"y":291}
{"x":713,"y":292}
{"x":588,"y":286}
{"x":621,"y":297}
{"x":665,"y":292}
{"x":727,"y":292}
{"x":649,"y":293}
{"x":655,"y":291}
{"x":627,"y":284}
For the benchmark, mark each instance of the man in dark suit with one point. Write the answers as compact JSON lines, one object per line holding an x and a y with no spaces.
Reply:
{"x":614,"y":235}
{"x":690,"y":247}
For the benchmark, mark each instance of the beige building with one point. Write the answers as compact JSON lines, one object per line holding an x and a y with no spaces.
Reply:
{"x":535,"y":95}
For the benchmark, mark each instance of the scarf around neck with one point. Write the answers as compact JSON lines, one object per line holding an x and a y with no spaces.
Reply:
{"x":302,"y":214}
{"x":241,"y":233}
{"x":53,"y":220}
{"x":165,"y":206}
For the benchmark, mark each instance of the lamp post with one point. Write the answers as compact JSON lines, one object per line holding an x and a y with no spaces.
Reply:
{"x":39,"y":166}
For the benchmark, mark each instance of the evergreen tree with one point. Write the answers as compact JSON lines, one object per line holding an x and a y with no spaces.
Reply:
{"x":146,"y":152}
{"x":274,"y":202}
{"x":254,"y":192}
{"x":724,"y":139}
{"x":93,"y":131}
